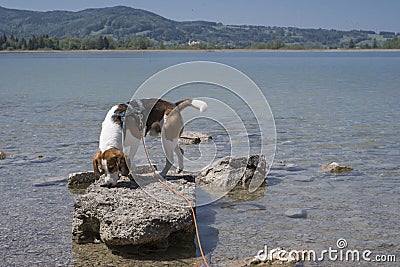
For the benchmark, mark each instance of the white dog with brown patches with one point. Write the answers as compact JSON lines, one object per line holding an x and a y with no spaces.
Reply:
{"x":134,"y":120}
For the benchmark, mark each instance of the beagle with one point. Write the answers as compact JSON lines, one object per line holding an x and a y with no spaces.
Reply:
{"x":131,"y":121}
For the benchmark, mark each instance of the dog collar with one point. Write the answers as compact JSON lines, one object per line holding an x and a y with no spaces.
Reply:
{"x":121,"y":115}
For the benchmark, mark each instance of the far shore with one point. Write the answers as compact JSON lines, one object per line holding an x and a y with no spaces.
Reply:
{"x":197,"y":51}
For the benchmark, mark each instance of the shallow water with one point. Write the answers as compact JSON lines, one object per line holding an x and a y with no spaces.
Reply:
{"x":327,"y":107}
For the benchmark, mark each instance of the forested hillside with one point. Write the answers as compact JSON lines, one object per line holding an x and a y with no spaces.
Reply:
{"x":124,"y":24}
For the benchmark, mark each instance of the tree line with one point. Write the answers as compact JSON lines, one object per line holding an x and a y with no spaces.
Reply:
{"x":45,"y":42}
{"x":392,"y":43}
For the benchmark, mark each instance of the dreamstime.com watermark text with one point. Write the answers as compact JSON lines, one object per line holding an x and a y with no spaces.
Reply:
{"x":340,"y":253}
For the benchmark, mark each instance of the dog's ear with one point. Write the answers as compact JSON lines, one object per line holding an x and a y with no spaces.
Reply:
{"x":97,"y":166}
{"x":122,"y":166}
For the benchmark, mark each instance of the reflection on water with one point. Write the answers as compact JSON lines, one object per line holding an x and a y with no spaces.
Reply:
{"x":101,"y":255}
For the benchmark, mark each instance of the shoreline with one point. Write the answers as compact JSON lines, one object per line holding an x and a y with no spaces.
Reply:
{"x":196,"y":51}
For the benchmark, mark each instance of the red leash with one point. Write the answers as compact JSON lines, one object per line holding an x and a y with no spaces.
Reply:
{"x":182,"y":196}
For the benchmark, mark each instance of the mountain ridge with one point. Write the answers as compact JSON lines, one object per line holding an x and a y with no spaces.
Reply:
{"x":121,"y":22}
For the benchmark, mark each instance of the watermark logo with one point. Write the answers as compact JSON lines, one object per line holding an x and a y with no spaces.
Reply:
{"x":341,"y":243}
{"x":340,"y":253}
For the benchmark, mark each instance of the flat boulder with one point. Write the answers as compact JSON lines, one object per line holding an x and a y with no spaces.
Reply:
{"x":128,"y":215}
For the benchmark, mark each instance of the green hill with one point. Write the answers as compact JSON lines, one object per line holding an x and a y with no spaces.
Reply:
{"x":122,"y":23}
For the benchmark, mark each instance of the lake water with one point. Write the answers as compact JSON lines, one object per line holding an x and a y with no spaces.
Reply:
{"x":327,"y":107}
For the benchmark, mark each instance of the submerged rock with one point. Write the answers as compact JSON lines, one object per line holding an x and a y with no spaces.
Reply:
{"x":296,"y":213}
{"x":335,"y":167}
{"x":132,"y":216}
{"x":230,"y":172}
{"x":278,"y":257}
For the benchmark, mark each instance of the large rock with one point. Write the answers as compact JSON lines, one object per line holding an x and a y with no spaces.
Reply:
{"x":128,"y":215}
{"x":231,"y":173}
{"x":151,"y":215}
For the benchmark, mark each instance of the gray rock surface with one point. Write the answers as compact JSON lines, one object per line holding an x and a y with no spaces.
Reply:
{"x":335,"y":167}
{"x":84,"y":179}
{"x":128,"y":215}
{"x":230,"y":172}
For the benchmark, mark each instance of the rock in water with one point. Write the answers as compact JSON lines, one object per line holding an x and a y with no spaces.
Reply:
{"x":127,"y":215}
{"x":335,"y":167}
{"x":230,"y":172}
{"x":296,"y":213}
{"x":2,"y":155}
{"x":190,"y":137}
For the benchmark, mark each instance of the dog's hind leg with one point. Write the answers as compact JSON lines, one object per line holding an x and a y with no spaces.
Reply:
{"x":179,"y":153}
{"x":169,"y":147}
{"x":130,"y":141}
{"x":168,"y":165}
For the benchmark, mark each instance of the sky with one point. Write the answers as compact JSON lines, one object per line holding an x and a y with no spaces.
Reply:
{"x":376,"y":15}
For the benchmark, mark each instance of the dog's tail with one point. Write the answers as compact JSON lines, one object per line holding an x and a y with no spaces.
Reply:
{"x":198,"y":104}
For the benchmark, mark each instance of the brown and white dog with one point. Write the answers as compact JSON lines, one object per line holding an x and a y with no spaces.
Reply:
{"x":129,"y":122}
